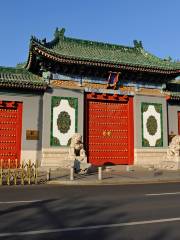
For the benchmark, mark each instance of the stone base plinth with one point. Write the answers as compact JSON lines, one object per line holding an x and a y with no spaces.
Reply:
{"x":55,"y":157}
{"x":149,"y":157}
{"x":172,"y":163}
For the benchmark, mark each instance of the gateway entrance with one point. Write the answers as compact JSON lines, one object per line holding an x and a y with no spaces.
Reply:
{"x":10,"y":132}
{"x":109,"y":129}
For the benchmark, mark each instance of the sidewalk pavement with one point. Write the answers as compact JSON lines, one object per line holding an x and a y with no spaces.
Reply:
{"x":115,"y":175}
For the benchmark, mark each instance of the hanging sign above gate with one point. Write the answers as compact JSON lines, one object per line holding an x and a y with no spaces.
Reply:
{"x":108,"y":91}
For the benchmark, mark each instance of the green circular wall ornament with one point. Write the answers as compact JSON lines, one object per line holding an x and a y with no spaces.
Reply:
{"x":151,"y":125}
{"x":64,"y":122}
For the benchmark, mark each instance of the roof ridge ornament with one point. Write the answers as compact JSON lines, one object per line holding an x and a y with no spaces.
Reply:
{"x":138,"y":44}
{"x":59,"y":33}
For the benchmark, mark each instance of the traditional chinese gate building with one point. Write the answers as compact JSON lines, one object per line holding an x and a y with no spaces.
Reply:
{"x":123,"y":100}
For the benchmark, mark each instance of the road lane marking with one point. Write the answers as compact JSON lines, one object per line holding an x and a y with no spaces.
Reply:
{"x":93,"y":227}
{"x":162,"y":194}
{"x":14,"y":202}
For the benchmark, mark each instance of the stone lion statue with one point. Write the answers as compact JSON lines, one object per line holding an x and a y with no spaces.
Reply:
{"x":174,"y":147}
{"x":172,"y":159}
{"x":77,"y":154}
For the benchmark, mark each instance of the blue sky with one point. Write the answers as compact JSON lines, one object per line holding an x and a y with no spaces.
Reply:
{"x":155,"y":22}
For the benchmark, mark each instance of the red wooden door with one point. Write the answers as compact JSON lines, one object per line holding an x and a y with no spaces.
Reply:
{"x":10,"y":132}
{"x":109,"y":130}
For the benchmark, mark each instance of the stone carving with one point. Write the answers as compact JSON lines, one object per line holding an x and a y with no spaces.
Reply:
{"x":77,"y":154}
{"x":172,"y":159}
{"x":174,"y":148}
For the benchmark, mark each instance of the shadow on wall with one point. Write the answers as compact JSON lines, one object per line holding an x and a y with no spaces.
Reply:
{"x":40,"y":128}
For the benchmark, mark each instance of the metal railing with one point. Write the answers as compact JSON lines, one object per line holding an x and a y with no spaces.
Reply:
{"x":16,"y":174}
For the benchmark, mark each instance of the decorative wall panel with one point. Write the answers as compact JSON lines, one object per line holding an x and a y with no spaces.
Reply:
{"x":64,"y":112}
{"x":152,"y":125}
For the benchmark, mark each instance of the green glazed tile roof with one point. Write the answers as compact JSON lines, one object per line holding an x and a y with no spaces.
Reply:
{"x":20,"y":78}
{"x":92,"y":51}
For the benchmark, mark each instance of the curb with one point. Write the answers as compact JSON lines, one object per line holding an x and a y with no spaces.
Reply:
{"x":104,"y":182}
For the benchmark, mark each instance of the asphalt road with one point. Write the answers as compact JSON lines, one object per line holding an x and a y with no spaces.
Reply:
{"x":90,"y":212}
